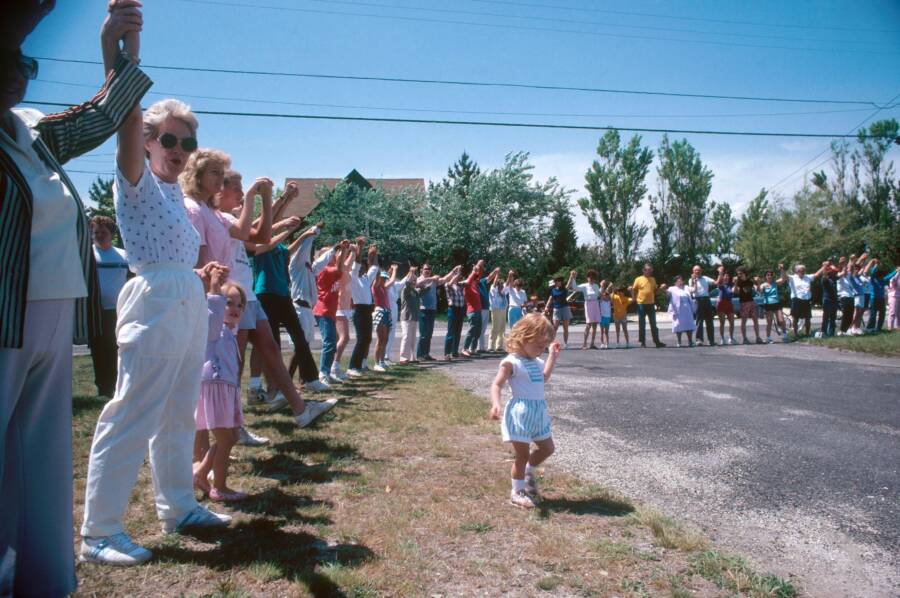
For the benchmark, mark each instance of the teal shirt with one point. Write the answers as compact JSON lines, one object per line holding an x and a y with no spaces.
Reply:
{"x":270,"y":273}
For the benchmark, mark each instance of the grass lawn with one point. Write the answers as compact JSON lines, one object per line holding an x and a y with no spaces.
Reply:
{"x":884,"y":343}
{"x":403,"y":491}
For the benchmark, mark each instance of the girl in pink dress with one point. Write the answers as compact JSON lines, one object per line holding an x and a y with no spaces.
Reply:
{"x":893,"y":298}
{"x":219,"y":407}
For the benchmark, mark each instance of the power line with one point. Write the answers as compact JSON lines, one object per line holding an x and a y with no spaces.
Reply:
{"x":683,"y":18}
{"x":545,"y":19}
{"x":820,"y":154}
{"x":68,"y":170}
{"x":522,"y":27}
{"x":486,"y":112}
{"x":491,"y":123}
{"x":478,"y":83}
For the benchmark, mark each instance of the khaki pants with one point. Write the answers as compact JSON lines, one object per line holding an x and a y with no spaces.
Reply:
{"x":498,"y":328}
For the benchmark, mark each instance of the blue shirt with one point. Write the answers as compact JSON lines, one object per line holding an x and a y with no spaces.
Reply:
{"x":428,"y":297}
{"x":270,"y":273}
{"x":484,"y":292}
{"x":558,"y":297}
{"x":878,"y":284}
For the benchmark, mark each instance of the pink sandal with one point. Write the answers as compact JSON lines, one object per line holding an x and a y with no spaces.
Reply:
{"x":221,"y":496}
{"x":201,"y":484}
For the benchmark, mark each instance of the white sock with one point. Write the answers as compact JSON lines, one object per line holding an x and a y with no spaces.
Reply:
{"x":529,"y":470}
{"x":255,"y":382}
{"x":518,"y":485}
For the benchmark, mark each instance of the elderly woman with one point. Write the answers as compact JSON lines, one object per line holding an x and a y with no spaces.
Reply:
{"x":161,"y":336}
{"x":681,"y":308}
{"x":48,"y":291}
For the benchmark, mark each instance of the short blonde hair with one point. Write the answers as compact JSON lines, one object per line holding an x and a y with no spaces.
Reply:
{"x":161,"y":110}
{"x":197,"y":163}
{"x":233,"y":285}
{"x":533,"y":327}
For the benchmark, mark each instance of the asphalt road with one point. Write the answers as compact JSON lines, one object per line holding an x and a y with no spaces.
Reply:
{"x":788,"y":454}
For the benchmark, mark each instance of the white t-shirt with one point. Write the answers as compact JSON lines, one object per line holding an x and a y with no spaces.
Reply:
{"x":112,"y":272}
{"x":303,"y":279}
{"x":527,"y":380}
{"x":590,"y":290}
{"x":605,"y":308}
{"x":55,"y":269}
{"x":241,"y":270}
{"x":700,"y":287}
{"x":153,"y":222}
{"x":800,"y":286}
{"x":361,"y":284}
{"x":517,"y":297}
{"x":497,"y":298}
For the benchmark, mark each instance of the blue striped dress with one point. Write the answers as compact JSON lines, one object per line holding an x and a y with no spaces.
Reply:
{"x":525,"y":417}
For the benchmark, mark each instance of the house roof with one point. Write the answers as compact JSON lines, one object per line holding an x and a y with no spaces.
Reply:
{"x":307,"y":199}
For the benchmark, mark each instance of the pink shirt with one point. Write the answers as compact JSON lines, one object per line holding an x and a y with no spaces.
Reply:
{"x":345,"y":297}
{"x":380,"y":297}
{"x":212,"y":230}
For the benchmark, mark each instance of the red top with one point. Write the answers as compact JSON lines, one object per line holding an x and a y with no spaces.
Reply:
{"x":380,"y":297}
{"x":473,"y":298}
{"x":328,"y":286}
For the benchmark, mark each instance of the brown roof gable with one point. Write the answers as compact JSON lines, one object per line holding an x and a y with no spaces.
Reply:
{"x":307,"y":200}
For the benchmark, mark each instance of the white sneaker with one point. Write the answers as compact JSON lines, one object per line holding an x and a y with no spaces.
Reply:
{"x":698,"y":344}
{"x":117,"y":550}
{"x":379,"y":368}
{"x":677,"y":345}
{"x":731,"y":341}
{"x":320,"y":385}
{"x":248,"y":438}
{"x":313,"y":410}
{"x":565,"y":346}
{"x":256,"y":396}
{"x":355,"y":373}
{"x":521,"y":499}
{"x":199,"y":517}
{"x":277,"y":403}
{"x":332,"y":379}
{"x":337,"y":373}
{"x":388,"y":363}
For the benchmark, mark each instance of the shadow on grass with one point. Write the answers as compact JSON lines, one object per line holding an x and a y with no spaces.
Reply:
{"x":275,"y":503}
{"x":290,"y":470}
{"x":82,"y":404}
{"x":294,"y":554}
{"x":602,"y":506}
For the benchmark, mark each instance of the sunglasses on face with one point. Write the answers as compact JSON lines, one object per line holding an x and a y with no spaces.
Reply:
{"x":27,"y":66}
{"x":168,"y":141}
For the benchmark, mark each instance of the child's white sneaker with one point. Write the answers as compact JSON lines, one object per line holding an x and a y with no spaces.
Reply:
{"x":277,"y":403}
{"x":520,"y":499}
{"x":379,"y":368}
{"x":313,"y":410}
{"x":248,"y":438}
{"x":117,"y":550}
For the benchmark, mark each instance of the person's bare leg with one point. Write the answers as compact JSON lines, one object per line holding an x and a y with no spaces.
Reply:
{"x":587,"y":331}
{"x":522,"y":450}
{"x":225,"y":439}
{"x":565,"y":325}
{"x":544,"y":449}
{"x":270,"y":354}
{"x":343,"y":331}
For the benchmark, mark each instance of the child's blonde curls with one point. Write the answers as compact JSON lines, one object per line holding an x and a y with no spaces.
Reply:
{"x":532,"y":327}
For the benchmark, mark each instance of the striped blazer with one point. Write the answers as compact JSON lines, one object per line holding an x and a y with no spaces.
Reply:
{"x":57,"y":139}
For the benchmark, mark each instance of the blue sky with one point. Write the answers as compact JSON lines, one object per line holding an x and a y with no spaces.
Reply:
{"x":829,"y":50}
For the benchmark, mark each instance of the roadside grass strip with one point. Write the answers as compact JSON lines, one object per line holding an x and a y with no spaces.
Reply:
{"x":886,"y":344}
{"x":402,"y":490}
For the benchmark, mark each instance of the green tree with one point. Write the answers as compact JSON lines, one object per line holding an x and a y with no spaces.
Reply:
{"x":688,"y":183}
{"x":615,"y":185}
{"x":564,"y":244}
{"x":721,"y":230}
{"x":663,"y":223}
{"x":880,"y":193}
{"x":461,"y":175}
{"x":753,"y":232}
{"x":101,"y":193}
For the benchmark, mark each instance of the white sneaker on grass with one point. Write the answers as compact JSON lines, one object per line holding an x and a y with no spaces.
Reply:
{"x":248,"y":438}
{"x":277,"y":403}
{"x":320,"y":385}
{"x":521,"y":499}
{"x":379,"y":368}
{"x":256,"y":396}
{"x":337,"y":373}
{"x":355,"y":373}
{"x":199,"y":517}
{"x":332,"y":379}
{"x":117,"y":550}
{"x":313,"y":410}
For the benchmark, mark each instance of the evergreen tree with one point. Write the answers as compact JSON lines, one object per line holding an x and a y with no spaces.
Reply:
{"x":615,"y":185}
{"x":721,"y":230}
{"x":564,"y":246}
{"x":461,"y":174}
{"x":102,"y":195}
{"x":753,"y":232}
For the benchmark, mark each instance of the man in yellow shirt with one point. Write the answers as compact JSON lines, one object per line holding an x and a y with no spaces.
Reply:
{"x":644,"y":291}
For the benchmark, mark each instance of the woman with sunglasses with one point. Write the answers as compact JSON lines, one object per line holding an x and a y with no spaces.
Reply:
{"x":48,"y":286}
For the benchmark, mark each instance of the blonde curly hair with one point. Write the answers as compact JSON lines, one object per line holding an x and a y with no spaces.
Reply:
{"x":533,"y":327}
{"x":197,"y":163}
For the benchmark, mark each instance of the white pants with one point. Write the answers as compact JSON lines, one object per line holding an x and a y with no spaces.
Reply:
{"x":162,"y":340}
{"x":392,"y":333}
{"x":307,"y":322}
{"x":409,"y":328}
{"x":36,"y":455}
{"x":485,"y":325}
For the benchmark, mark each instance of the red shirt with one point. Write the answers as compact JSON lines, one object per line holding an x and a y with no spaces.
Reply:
{"x":380,"y":297}
{"x":328,"y":286}
{"x":473,"y":297}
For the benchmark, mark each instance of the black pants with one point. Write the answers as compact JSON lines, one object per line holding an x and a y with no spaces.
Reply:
{"x":829,"y":317}
{"x":876,"y":310}
{"x":705,"y":314}
{"x":105,"y":355}
{"x":647,"y":312}
{"x":362,"y":325}
{"x":455,"y":317}
{"x":280,"y":311}
{"x":846,"y":313}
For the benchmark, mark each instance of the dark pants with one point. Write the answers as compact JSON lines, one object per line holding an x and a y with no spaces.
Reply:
{"x":846,"y":313}
{"x":474,"y":334}
{"x":362,"y":325}
{"x":426,"y":331}
{"x":829,"y":317}
{"x":705,"y":314}
{"x":105,"y":355}
{"x":280,"y":311}
{"x":876,"y":309}
{"x":645,"y":312}
{"x":455,"y":317}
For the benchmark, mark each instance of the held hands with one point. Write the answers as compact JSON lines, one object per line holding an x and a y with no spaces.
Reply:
{"x":291,"y":191}
{"x":210,"y":272}
{"x":293,"y":222}
{"x":124,"y":18}
{"x":262,"y":186}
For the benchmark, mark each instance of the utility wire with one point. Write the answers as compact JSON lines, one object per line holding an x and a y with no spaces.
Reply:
{"x":491,"y":123}
{"x":173,"y":94}
{"x":820,"y":154}
{"x":559,"y":20}
{"x":683,"y":18}
{"x":654,"y":38}
{"x":477,"y":83}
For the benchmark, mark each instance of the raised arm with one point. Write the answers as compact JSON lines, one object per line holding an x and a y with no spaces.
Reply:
{"x":261,"y":228}
{"x":570,"y":284}
{"x":312,"y":231}
{"x":390,"y":281}
{"x":822,"y":269}
{"x":243,"y":227}
{"x":555,"y":348}
{"x":260,"y":248}
{"x":782,"y":277}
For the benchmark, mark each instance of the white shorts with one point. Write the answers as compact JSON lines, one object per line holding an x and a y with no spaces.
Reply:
{"x":344,"y":313}
{"x":253,"y":313}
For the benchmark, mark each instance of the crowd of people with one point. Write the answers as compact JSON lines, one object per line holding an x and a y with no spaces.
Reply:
{"x":170,"y":318}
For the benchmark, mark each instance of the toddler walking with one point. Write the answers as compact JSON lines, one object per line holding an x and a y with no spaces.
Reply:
{"x":219,"y":407}
{"x":525,"y":418}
